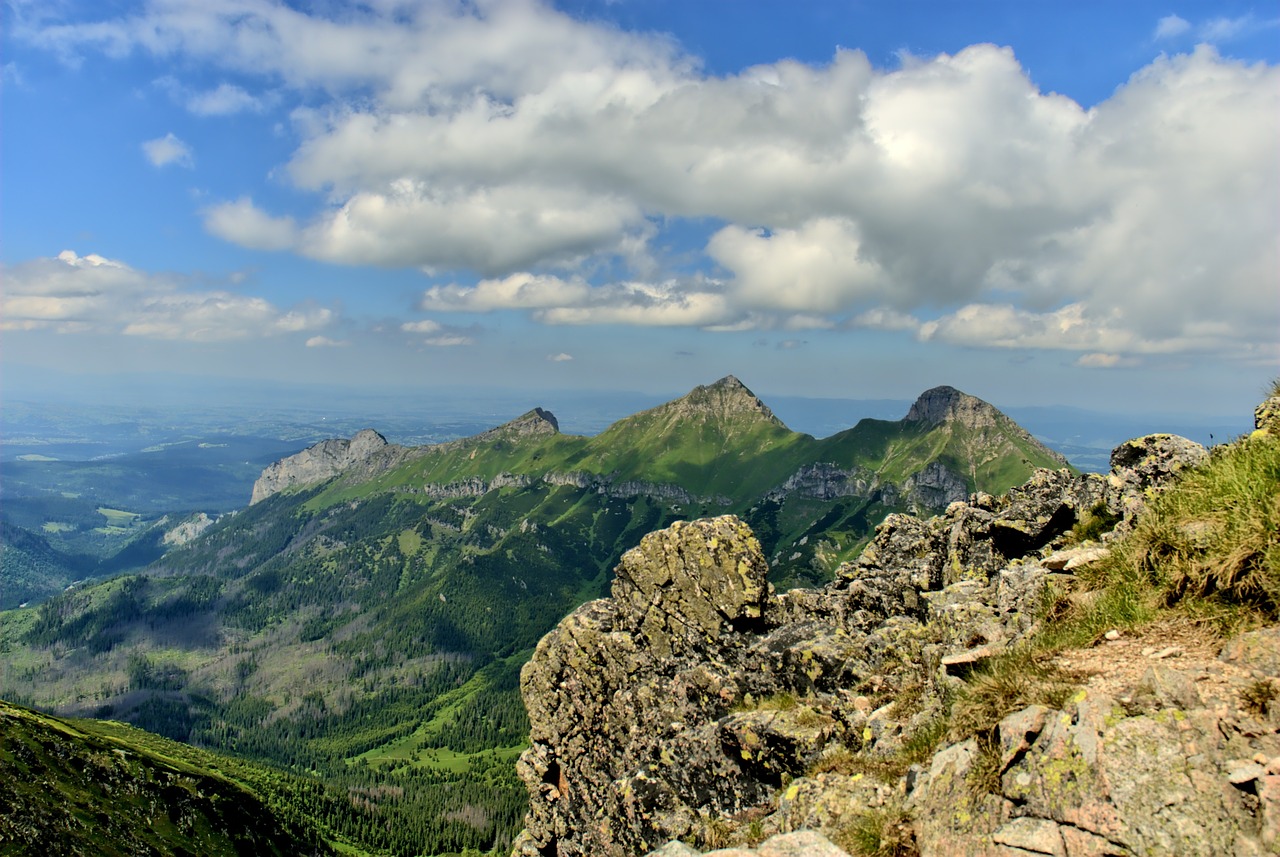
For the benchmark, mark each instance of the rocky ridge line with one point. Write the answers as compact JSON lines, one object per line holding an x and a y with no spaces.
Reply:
{"x":367,"y":451}
{"x":696,"y":704}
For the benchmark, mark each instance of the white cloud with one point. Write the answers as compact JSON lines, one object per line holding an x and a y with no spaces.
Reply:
{"x":424,"y":326}
{"x":1098,"y":360}
{"x":558,"y":301}
{"x":1224,"y":29}
{"x":490,"y":231}
{"x":518,"y":291}
{"x":562,"y":357}
{"x":883,"y":318}
{"x":224,"y":100}
{"x":507,"y":140}
{"x":326,"y":342}
{"x":93,"y":294}
{"x":818,"y":267}
{"x":1171,"y":26}
{"x":168,"y":149}
{"x":243,"y":223}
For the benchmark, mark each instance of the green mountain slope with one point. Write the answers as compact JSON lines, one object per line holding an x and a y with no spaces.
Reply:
{"x":369,"y":625}
{"x":93,"y":789}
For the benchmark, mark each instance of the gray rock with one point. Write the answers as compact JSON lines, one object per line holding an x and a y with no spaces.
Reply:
{"x":1258,"y":651}
{"x":1036,"y":835}
{"x":321,"y":462}
{"x":1266,"y":417}
{"x":1145,"y":465}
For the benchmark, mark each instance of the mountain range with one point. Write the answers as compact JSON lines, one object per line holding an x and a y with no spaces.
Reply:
{"x":366,"y":616}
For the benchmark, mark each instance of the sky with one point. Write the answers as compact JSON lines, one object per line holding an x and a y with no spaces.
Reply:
{"x":1037,"y":202}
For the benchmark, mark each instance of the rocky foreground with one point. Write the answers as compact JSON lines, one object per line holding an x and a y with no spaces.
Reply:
{"x":697,"y":707}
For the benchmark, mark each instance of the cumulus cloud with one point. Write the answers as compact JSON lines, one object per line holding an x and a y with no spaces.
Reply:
{"x":562,"y":357}
{"x":241,"y":222}
{"x":166,"y":150}
{"x":1171,"y":26}
{"x":224,"y":100}
{"x":93,"y":294}
{"x":947,"y":196}
{"x":326,"y":342}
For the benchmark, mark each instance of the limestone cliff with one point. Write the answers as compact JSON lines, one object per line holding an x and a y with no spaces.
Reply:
{"x":696,"y":707}
{"x":324,"y":461}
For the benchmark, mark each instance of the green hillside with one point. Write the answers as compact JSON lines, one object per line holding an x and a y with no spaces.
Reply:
{"x":369,"y":629}
{"x":99,"y":789}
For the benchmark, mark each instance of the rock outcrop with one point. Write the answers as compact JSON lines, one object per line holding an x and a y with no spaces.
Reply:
{"x":1266,"y":417}
{"x":697,"y":709}
{"x":366,"y":449}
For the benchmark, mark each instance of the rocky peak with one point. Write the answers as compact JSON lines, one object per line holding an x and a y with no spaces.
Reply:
{"x":687,"y":585}
{"x":947,"y":404}
{"x":534,"y":423}
{"x":726,"y":398}
{"x":319,"y":462}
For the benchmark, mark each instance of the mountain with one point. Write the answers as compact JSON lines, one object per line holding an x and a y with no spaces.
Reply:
{"x":31,"y":568}
{"x":1030,"y":673}
{"x":367,"y":616}
{"x":84,"y":788}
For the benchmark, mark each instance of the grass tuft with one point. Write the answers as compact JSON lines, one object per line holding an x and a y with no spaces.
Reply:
{"x":1215,"y":536}
{"x":883,"y":832}
{"x":1010,"y":683}
{"x":1258,"y":697}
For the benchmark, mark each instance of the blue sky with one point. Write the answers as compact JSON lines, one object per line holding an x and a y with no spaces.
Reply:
{"x":1037,"y":202}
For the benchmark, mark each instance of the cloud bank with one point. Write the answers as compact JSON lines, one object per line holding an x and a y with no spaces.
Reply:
{"x":517,"y":152}
{"x":93,"y":294}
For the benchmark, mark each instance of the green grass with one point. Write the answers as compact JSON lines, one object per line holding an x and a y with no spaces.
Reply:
{"x":118,"y":517}
{"x":881,"y":832}
{"x":1206,"y":552}
{"x":1215,"y":537}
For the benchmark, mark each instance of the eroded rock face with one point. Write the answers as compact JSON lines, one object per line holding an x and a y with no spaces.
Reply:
{"x":624,"y":697}
{"x":317,"y":463}
{"x":695,"y":700}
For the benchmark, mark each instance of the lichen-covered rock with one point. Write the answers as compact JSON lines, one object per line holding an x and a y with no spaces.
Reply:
{"x":692,"y":583}
{"x":802,"y":843}
{"x":1159,"y":774}
{"x":1266,"y":417}
{"x":626,"y":695}
{"x":1145,"y":465}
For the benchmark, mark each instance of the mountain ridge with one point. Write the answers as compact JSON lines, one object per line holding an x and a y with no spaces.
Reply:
{"x":687,"y":446}
{"x":376,"y":620}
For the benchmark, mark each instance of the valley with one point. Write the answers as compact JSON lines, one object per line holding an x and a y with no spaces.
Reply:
{"x":367,"y":623}
{"x":365,"y":617}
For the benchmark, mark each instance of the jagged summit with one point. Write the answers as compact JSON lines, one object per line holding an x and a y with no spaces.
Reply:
{"x":726,"y":398}
{"x":319,"y":462}
{"x":535,"y":423}
{"x":947,"y":404}
{"x":988,"y":434}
